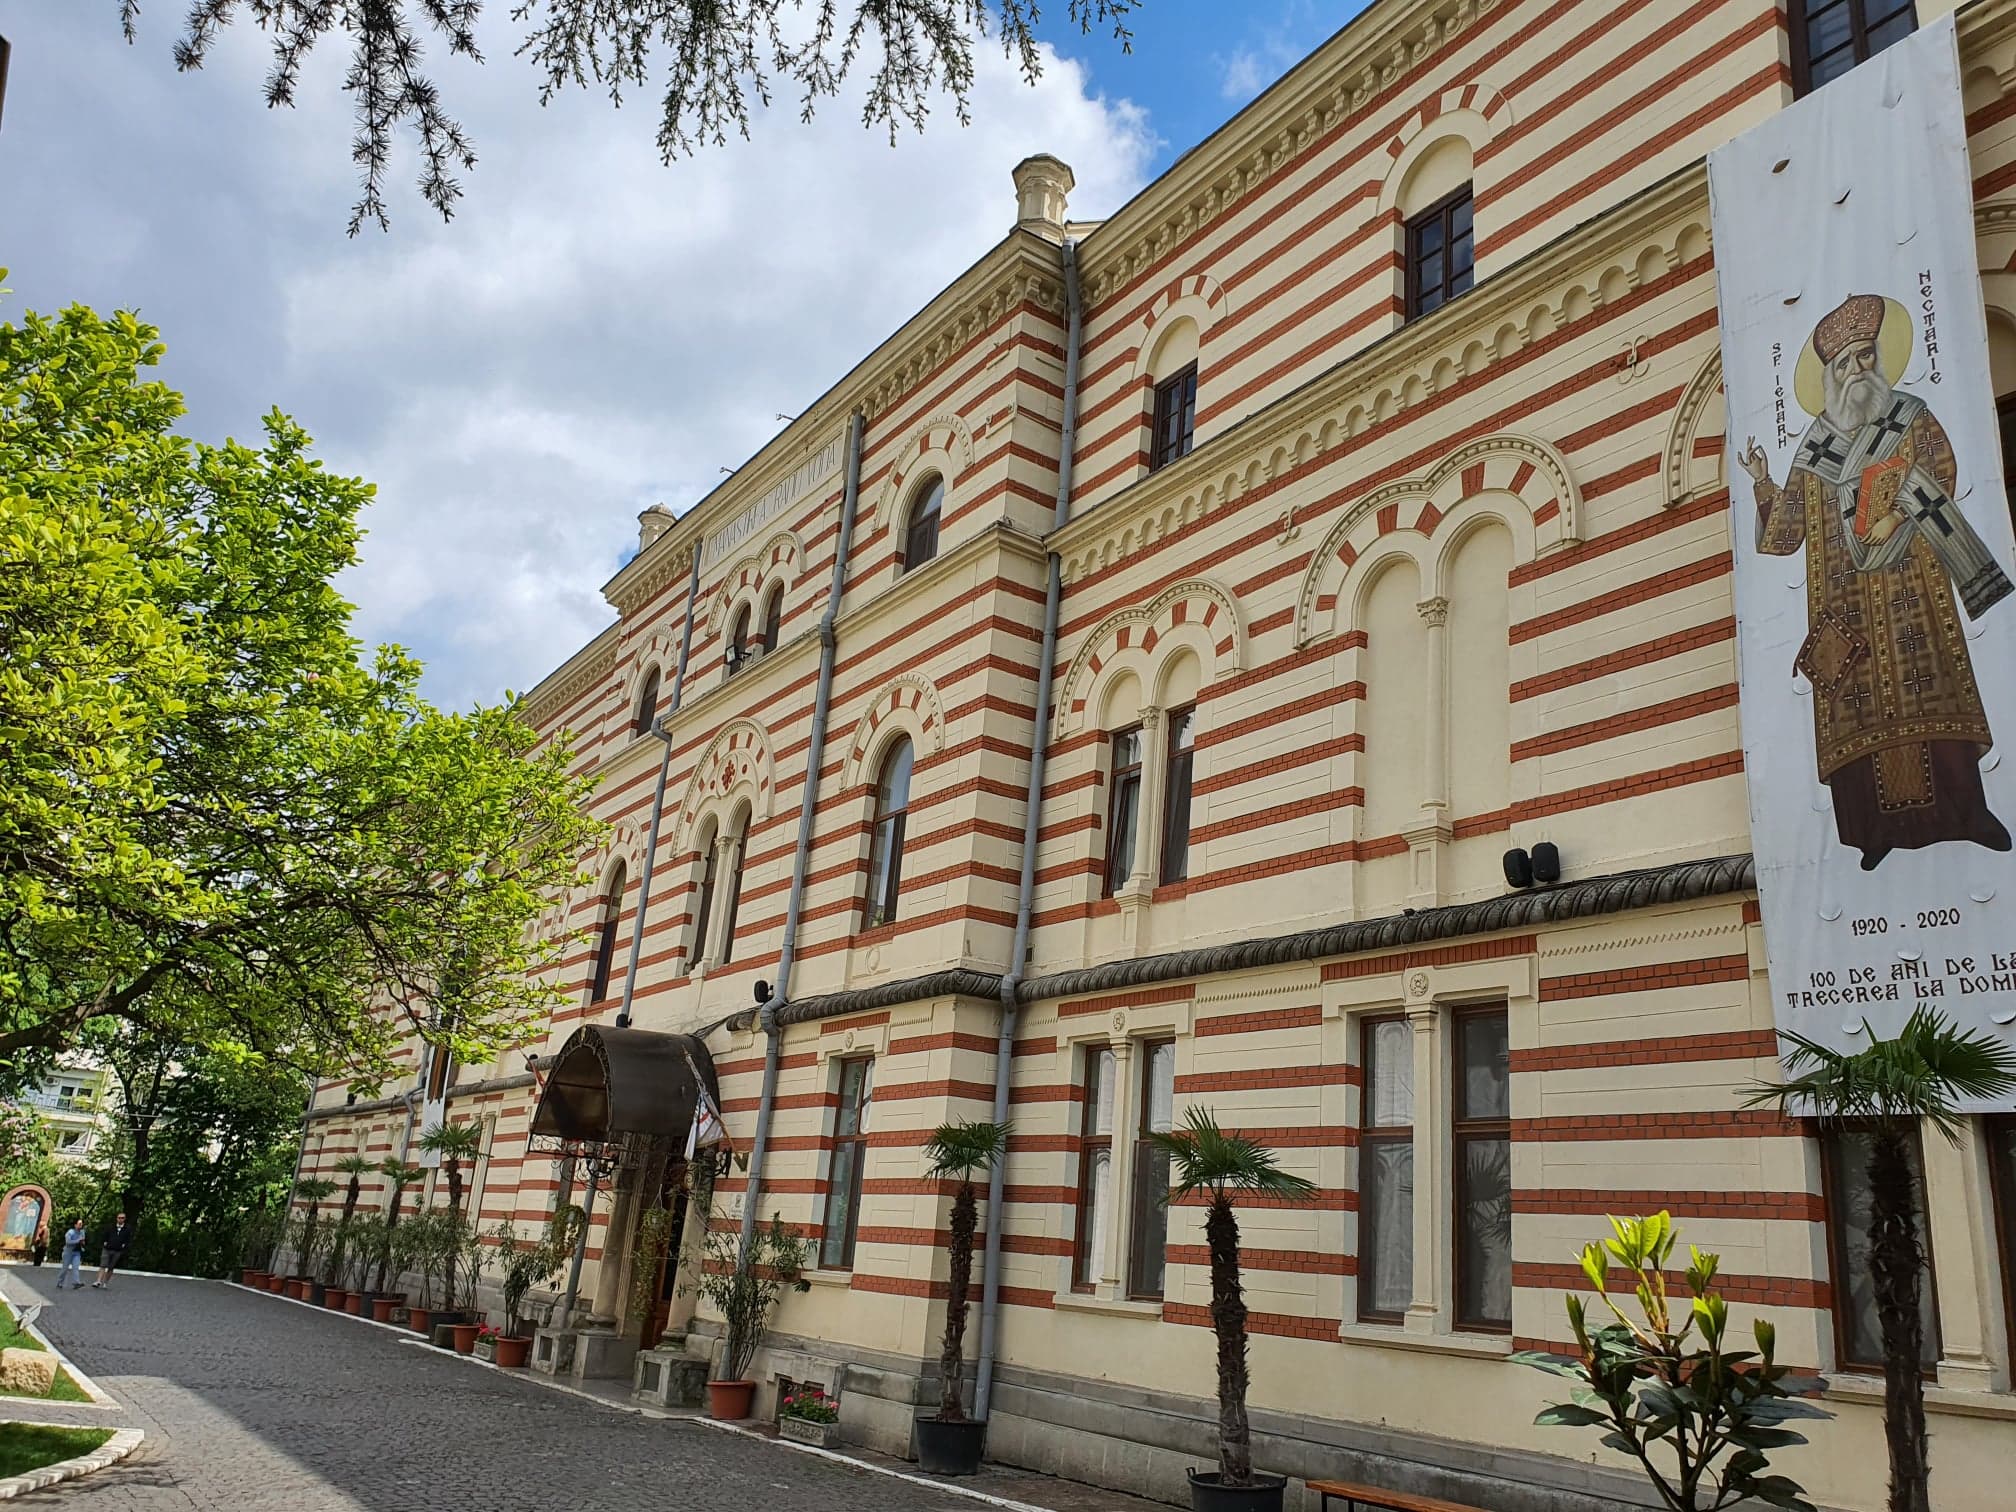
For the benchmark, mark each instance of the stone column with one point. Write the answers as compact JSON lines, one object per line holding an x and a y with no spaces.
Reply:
{"x":1959,"y":1213}
{"x":1431,"y":1161}
{"x":1120,"y":1173}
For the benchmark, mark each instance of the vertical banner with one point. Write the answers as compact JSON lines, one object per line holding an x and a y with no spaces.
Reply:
{"x":1876,"y":624}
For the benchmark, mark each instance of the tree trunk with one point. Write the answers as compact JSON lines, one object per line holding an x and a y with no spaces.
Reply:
{"x":454,"y":1174}
{"x":391,"y":1223}
{"x":1228,"y":1320}
{"x":952,"y":1359}
{"x":1897,"y":1263}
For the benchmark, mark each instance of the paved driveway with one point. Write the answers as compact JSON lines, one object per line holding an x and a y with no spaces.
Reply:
{"x":252,"y":1404}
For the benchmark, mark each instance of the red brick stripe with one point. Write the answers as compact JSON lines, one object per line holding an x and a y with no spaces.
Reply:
{"x":1652,"y":978}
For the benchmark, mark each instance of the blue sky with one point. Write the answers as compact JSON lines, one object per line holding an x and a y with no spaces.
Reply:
{"x":595,"y":332}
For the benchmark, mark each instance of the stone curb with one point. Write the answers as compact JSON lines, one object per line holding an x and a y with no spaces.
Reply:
{"x":122,"y":1443}
{"x":99,"y":1397}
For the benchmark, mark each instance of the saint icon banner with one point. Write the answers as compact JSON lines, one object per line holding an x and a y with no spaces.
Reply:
{"x":1876,"y":617}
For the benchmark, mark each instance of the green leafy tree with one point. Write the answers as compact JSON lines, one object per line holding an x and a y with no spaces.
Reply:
{"x":1718,"y":1413}
{"x":1889,"y":1087}
{"x":722,"y":55}
{"x":1204,"y":1158}
{"x":744,"y":1289}
{"x":21,"y":1136}
{"x":218,"y":822}
{"x":958,"y":1151}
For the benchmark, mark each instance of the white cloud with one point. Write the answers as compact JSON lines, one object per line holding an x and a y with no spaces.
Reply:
{"x":593,"y":333}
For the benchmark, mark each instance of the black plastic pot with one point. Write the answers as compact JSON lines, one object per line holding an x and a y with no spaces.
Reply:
{"x":949,"y":1448}
{"x":1264,"y":1495}
{"x":315,"y":1290}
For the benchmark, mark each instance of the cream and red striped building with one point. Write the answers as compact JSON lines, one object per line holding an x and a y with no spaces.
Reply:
{"x":1410,"y":575}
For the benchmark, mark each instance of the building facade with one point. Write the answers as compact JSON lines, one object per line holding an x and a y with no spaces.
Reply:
{"x":1391,"y":804}
{"x":73,"y":1103}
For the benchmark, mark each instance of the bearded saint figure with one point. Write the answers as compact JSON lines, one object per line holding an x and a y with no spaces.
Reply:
{"x":1898,"y":726}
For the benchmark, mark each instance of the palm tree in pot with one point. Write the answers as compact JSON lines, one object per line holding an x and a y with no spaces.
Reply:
{"x":452,"y":1144}
{"x":315,"y":1191}
{"x":355,"y":1168}
{"x":401,"y":1175}
{"x":947,"y":1442}
{"x":1884,"y":1091}
{"x":1205,"y":1158}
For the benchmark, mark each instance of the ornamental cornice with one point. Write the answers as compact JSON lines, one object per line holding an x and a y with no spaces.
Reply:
{"x":1029,"y":279}
{"x":649,"y":572}
{"x":594,"y":663}
{"x":1363,"y":60}
{"x":1559,"y":287}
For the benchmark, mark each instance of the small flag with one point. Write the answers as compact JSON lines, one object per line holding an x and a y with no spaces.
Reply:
{"x":707,"y":1129}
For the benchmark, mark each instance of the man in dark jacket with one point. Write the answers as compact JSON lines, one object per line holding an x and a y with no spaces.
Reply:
{"x":117,"y":1242}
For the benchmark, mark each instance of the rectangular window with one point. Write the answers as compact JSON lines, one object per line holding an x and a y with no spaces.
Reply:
{"x":1386,"y":1171}
{"x":2001,"y":1135}
{"x":843,"y":1185}
{"x":1829,"y":37}
{"x":1176,"y":796}
{"x":1439,"y":253}
{"x":1095,"y":1169}
{"x":1123,"y":808}
{"x":1483,"y":1159}
{"x":1175,"y":418}
{"x":1850,"y":1223}
{"x":1148,"y":1242}
{"x":438,"y":1065}
{"x":732,"y":904}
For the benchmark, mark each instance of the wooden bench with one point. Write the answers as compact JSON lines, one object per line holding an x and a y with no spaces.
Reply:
{"x":1357,"y":1498}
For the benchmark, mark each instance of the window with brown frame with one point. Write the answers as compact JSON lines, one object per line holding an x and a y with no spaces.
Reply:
{"x":1386,"y":1169}
{"x":1182,"y":729}
{"x":1440,"y":252}
{"x":2000,"y":1134}
{"x":1829,"y":37}
{"x":773,"y":619}
{"x":1858,"y":1329}
{"x":885,"y":847}
{"x":1123,"y":807}
{"x":1483,"y":1160}
{"x":920,"y":533}
{"x":439,"y":1064}
{"x":1175,"y":421}
{"x":605,"y":947}
{"x":703,"y":908}
{"x":1095,"y":1168}
{"x":732,"y":904}
{"x":1148,"y":1239}
{"x":647,"y":705}
{"x":850,"y":1145}
{"x":738,"y":652}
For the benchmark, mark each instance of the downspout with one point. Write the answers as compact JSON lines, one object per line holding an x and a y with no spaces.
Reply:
{"x":815,"y":755}
{"x":1011,"y":979}
{"x":658,"y":800}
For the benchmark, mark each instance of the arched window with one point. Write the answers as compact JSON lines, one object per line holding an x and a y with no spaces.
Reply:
{"x":703,"y":907}
{"x":647,"y":704}
{"x":738,"y":641}
{"x":920,"y":532}
{"x":605,"y":948}
{"x":885,"y":852}
{"x":733,"y":902}
{"x":773,"y":618}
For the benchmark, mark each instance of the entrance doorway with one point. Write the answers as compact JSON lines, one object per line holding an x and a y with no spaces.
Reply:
{"x":665,"y":1284}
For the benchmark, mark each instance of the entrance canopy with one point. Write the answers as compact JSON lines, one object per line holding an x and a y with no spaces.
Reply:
{"x":611,"y":1093}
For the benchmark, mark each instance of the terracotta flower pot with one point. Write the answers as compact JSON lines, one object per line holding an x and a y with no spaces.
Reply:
{"x":730,"y":1400}
{"x":333,"y":1298}
{"x":298,"y":1289}
{"x":465,"y":1336}
{"x":381,"y":1308}
{"x":354,"y":1302}
{"x":250,"y":1277}
{"x":420,"y":1320}
{"x":513,"y":1353}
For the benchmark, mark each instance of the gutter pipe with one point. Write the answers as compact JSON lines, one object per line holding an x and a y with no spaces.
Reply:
{"x":1011,"y":980}
{"x":658,"y":799}
{"x":801,"y":858}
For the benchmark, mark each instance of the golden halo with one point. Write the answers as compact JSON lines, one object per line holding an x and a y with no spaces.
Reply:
{"x":1893,"y":352}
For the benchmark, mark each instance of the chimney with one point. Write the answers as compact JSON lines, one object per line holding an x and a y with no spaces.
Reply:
{"x":651,"y":524}
{"x":1041,"y":185}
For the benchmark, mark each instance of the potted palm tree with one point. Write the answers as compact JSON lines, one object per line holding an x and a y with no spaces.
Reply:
{"x":744,"y":1289}
{"x":452,"y":1144}
{"x":314,"y":1241}
{"x":523,"y":1267}
{"x":1204,"y":1158}
{"x":1887,"y":1089}
{"x":948,"y":1442}
{"x":401,"y":1175}
{"x":366,"y":1240}
{"x":336,"y":1269}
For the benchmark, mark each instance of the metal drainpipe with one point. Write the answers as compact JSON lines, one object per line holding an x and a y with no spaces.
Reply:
{"x":1011,"y":979}
{"x":815,"y":754}
{"x":658,"y":801}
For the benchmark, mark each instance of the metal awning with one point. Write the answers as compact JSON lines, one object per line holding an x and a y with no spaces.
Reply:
{"x":609,"y":1093}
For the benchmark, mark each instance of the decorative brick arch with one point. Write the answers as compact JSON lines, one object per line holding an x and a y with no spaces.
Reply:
{"x":737,"y":766}
{"x":781,"y":556}
{"x":1196,"y":295}
{"x":1520,"y":467}
{"x":1687,"y":449}
{"x":1475,"y":112}
{"x":1197,"y":614}
{"x":909,"y":703}
{"x":624,"y":843}
{"x":660,"y":652}
{"x":943,"y":444}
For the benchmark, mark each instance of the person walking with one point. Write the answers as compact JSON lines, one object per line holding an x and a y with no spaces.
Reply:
{"x":117,"y":1243}
{"x":73,"y":1256}
{"x":38,"y":1249}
